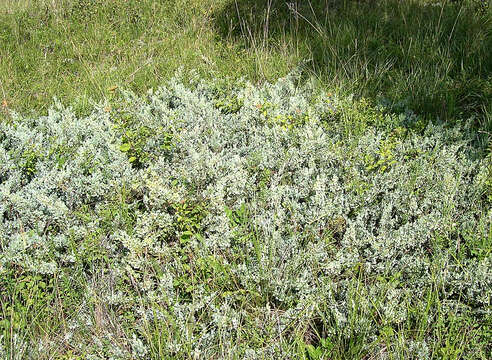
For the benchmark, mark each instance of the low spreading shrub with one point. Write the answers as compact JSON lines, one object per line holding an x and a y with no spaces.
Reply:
{"x":261,"y":222}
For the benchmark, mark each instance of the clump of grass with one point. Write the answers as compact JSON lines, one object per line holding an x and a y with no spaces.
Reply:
{"x":432,"y":55}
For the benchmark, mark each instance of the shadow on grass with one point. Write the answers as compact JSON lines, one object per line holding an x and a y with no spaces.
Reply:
{"x":434,"y":58}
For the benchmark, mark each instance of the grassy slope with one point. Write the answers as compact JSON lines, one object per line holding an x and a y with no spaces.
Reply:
{"x":76,"y":50}
{"x":435,"y":58}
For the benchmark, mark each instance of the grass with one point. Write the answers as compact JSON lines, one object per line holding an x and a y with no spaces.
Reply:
{"x":80,"y":50}
{"x":433,"y":56}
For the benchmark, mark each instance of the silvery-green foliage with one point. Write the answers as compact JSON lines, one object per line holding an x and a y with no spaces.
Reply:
{"x":72,"y":162}
{"x":277,"y":201}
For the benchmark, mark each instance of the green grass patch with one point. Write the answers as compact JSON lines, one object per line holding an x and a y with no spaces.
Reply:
{"x":431,"y":56}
